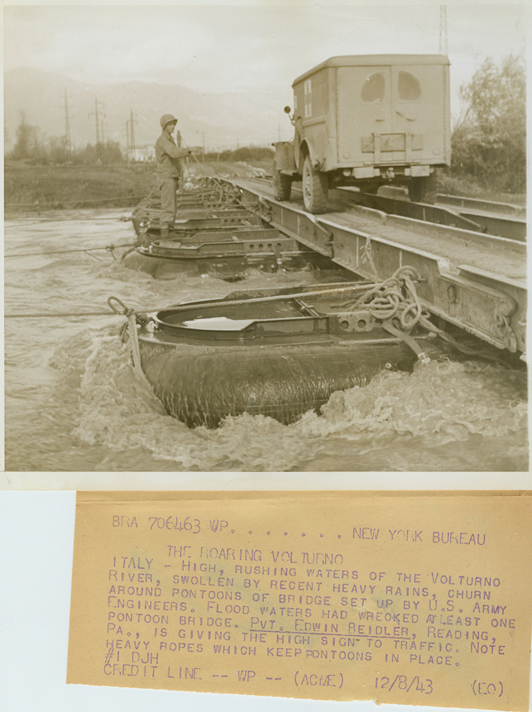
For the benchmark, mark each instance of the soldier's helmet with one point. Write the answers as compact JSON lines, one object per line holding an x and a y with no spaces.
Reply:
{"x":167,"y":119}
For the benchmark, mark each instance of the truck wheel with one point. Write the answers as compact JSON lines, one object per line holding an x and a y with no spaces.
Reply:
{"x":282,"y":185}
{"x":423,"y":190}
{"x":315,"y":188}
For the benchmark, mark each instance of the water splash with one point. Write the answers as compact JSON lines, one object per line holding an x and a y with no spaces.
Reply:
{"x":383,"y":425}
{"x":73,"y":402}
{"x":445,"y":400}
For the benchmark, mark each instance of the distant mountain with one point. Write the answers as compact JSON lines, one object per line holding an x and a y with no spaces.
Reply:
{"x":219,"y":120}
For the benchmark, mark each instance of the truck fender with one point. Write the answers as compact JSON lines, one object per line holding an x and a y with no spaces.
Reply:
{"x":299,"y":148}
{"x":303,"y":147}
{"x":283,"y":158}
{"x":307,"y":149}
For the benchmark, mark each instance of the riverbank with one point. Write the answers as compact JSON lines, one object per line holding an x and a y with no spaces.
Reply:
{"x":36,"y":188}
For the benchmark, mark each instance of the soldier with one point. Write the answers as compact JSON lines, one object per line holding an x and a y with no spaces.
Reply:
{"x":167,"y":155}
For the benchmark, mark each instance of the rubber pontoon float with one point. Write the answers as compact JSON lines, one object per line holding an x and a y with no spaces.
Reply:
{"x":278,"y":354}
{"x":226,"y":254}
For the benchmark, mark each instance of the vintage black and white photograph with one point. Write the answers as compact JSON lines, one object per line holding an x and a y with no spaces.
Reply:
{"x":265,"y":237}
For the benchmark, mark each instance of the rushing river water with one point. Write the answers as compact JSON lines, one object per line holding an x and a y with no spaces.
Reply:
{"x":73,"y":403}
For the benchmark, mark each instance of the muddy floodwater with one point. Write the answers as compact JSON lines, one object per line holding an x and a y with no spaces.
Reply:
{"x":73,"y":403}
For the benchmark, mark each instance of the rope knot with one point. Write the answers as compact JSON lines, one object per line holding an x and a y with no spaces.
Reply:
{"x":394,"y":297}
{"x":121,"y":308}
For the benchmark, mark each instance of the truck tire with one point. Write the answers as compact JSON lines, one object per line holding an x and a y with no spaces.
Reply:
{"x":315,"y":188}
{"x":282,"y":185}
{"x":423,"y":190}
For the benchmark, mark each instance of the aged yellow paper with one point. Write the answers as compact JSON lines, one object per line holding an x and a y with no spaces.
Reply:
{"x":407,"y":598}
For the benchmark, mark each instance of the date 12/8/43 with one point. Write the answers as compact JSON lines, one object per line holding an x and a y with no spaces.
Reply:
{"x":404,"y":683}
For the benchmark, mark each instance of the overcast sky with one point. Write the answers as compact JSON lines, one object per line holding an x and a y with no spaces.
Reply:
{"x":221,"y":47}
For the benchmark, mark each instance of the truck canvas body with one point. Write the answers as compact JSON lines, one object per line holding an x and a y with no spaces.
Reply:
{"x":366,"y":121}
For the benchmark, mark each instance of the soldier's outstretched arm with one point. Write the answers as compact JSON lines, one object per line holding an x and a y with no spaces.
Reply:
{"x":173,"y":151}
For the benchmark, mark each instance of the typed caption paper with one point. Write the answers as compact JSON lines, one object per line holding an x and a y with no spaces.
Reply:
{"x":405,"y":598}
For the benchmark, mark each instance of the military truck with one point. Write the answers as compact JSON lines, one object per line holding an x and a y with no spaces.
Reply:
{"x":367,"y":121}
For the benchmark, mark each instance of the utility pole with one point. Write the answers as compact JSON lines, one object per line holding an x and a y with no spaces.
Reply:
{"x":99,"y":128}
{"x":132,"y":123}
{"x":68,"y":143}
{"x":444,"y":45}
{"x":128,"y":147}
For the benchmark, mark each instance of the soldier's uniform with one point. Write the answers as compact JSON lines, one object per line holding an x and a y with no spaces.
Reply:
{"x":167,"y":155}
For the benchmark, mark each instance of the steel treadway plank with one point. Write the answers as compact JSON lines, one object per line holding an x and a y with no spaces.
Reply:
{"x":499,"y":255}
{"x":502,"y":219}
{"x":473,"y":280}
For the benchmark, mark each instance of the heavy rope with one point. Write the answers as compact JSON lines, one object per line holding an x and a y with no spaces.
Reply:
{"x":272,"y":298}
{"x":55,"y":315}
{"x":46,"y":221}
{"x":108,"y":248}
{"x":391,"y":303}
{"x":115,"y":311}
{"x":394,"y":297}
{"x":397,"y":298}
